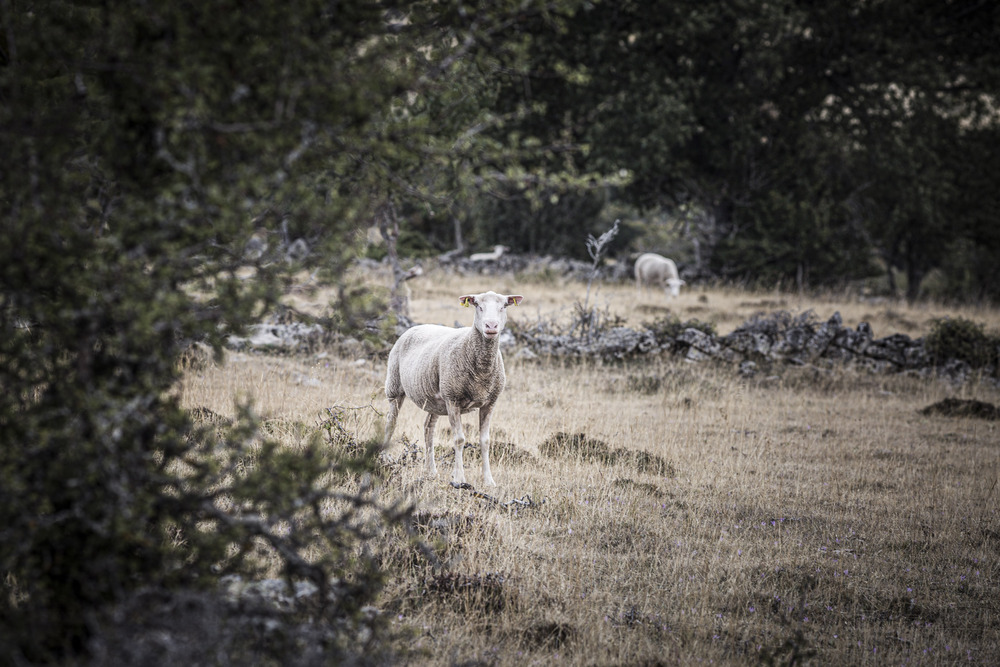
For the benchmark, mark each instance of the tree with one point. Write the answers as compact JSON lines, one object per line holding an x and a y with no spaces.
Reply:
{"x":145,"y":145}
{"x":454,"y":180}
{"x":783,"y":122}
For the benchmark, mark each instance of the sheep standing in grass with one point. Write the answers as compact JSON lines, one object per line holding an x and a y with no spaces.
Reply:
{"x":447,"y":371}
{"x":653,"y":269}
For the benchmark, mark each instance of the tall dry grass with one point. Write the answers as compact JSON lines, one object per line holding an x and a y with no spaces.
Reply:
{"x":684,"y":514}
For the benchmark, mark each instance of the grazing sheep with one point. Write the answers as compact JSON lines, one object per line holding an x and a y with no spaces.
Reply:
{"x":653,"y":269}
{"x":449,"y":372}
{"x":498,"y":251}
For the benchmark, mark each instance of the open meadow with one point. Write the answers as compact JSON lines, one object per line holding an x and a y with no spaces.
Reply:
{"x":672,"y":512}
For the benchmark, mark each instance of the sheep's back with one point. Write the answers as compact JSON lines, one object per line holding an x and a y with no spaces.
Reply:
{"x":415,"y":359}
{"x":653,"y":268}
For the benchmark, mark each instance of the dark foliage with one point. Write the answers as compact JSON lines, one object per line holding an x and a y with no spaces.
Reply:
{"x":962,"y":340}
{"x":799,"y":143}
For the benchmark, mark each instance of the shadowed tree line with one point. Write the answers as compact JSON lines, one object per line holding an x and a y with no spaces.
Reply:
{"x":802,"y":142}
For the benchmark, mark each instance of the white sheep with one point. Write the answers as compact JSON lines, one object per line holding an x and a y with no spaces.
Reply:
{"x":653,"y":269}
{"x":447,"y":371}
{"x":498,"y":251}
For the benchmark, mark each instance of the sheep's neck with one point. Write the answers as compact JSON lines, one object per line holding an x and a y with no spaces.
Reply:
{"x":480,"y":351}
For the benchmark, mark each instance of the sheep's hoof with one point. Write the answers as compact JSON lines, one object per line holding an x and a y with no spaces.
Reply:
{"x":432,"y":471}
{"x":458,"y":479}
{"x":488,"y":481}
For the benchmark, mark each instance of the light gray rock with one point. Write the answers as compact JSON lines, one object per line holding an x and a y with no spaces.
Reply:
{"x":792,"y":343}
{"x":873,"y":365}
{"x":824,"y":335}
{"x":916,"y":355}
{"x":750,"y":343}
{"x":885,"y":352}
{"x":854,"y":341}
{"x":277,"y":336}
{"x":701,"y":341}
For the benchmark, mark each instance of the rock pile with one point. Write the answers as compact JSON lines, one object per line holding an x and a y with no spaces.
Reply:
{"x":288,"y":336}
{"x":762,"y":341}
{"x":562,"y":267}
{"x":610,"y":344}
{"x":804,"y":342}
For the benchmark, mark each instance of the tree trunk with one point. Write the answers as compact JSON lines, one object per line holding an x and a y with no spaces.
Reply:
{"x":891,"y":278}
{"x":914,"y":276}
{"x":459,"y":241}
{"x":388,"y":224}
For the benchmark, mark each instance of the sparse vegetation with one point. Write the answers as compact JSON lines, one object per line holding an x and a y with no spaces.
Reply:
{"x":682,"y":513}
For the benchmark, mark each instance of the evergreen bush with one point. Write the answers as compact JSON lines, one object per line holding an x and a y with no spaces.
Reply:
{"x":963,"y":340}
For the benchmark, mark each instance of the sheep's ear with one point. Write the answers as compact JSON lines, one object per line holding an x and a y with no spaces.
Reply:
{"x":467,"y":300}
{"x":514,"y":300}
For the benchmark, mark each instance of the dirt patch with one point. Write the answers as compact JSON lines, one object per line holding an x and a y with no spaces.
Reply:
{"x":958,"y":407}
{"x":566,"y":445}
{"x":642,"y":487}
{"x":501,"y":451}
{"x":483,"y":593}
{"x":551,"y":634}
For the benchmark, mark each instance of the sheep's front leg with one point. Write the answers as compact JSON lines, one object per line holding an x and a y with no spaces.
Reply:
{"x":429,"y":444}
{"x":455,"y":419}
{"x":485,"y":413}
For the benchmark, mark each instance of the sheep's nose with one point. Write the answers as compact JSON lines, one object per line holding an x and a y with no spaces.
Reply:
{"x":491,"y":326}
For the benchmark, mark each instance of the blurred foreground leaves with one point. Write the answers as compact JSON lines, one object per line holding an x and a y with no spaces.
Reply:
{"x":167,"y":167}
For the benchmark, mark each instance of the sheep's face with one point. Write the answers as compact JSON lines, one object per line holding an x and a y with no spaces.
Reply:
{"x":675,"y":286}
{"x":491,"y":311}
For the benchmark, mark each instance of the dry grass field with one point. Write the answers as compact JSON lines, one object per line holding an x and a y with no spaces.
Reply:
{"x":680,"y":513}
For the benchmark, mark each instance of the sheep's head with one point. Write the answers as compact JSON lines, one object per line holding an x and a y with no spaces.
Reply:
{"x":491,"y":311}
{"x":675,"y":286}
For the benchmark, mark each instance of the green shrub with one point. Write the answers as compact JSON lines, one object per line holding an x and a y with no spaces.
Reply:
{"x":963,"y":340}
{"x":123,"y":232}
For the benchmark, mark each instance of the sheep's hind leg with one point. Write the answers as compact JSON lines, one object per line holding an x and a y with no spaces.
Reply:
{"x":390,"y":419}
{"x":485,"y":413}
{"x":429,"y":443}
{"x":455,"y":420}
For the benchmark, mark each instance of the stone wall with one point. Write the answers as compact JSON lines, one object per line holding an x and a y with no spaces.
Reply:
{"x":760,"y":343}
